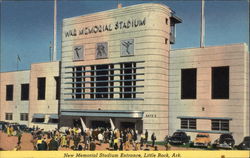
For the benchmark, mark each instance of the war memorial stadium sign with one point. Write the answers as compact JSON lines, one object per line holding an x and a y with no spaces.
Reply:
{"x":119,"y":25}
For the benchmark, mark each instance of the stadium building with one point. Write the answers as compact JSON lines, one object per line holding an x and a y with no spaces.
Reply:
{"x":117,"y":67}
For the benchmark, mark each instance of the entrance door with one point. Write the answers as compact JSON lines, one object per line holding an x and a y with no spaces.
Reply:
{"x":77,"y":123}
{"x":101,"y":124}
{"x":125,"y":125}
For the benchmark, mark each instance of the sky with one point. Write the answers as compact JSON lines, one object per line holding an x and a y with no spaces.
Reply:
{"x":27,"y":25}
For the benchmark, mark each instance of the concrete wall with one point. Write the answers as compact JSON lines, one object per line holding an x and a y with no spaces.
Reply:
{"x":235,"y":56}
{"x":149,"y":47}
{"x":48,"y":106}
{"x":16,"y":106}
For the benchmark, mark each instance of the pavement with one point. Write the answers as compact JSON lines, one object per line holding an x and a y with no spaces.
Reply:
{"x":9,"y":143}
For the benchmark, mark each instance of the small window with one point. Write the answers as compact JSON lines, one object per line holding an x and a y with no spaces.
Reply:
{"x":188,"y":123}
{"x":41,"y":88}
{"x":24,"y":91}
{"x":38,"y":120}
{"x":166,"y":41}
{"x":188,"y":83}
{"x":8,"y":116}
{"x":9,"y":92}
{"x":167,"y":21}
{"x":220,"y":125}
{"x":53,"y":120}
{"x":220,"y":82}
{"x":24,"y":116}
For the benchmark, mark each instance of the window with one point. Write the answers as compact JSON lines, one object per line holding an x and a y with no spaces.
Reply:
{"x":220,"y":125}
{"x":220,"y":82}
{"x":9,"y":92}
{"x":24,"y":116}
{"x":188,"y":123}
{"x":104,"y":81}
{"x":38,"y":120}
{"x":57,"y":88}
{"x":8,"y":116}
{"x":166,"y":41}
{"x":53,"y":120}
{"x":41,"y":87}
{"x":128,"y":80}
{"x":166,"y":21}
{"x":188,"y":83}
{"x":24,"y":91}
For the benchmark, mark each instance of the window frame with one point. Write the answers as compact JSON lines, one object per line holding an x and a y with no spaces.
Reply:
{"x":9,"y":95}
{"x":184,"y":86}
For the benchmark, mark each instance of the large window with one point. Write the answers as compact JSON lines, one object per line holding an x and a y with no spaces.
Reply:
{"x":8,"y":116}
{"x":24,"y":116}
{"x":57,"y":79}
{"x":188,"y":123}
{"x":220,"y":82}
{"x":9,"y":92}
{"x":41,"y":88}
{"x":24,"y":91}
{"x":188,"y":83}
{"x":128,"y":80}
{"x":220,"y":125}
{"x":105,"y":81}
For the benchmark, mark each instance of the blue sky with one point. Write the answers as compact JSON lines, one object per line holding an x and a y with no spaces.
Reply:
{"x":27,"y":25}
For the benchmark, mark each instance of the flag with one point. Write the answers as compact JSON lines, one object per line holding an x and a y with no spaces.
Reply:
{"x":83,"y":124}
{"x":112,"y":124}
{"x":18,"y":58}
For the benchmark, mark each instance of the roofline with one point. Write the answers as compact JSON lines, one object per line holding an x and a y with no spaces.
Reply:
{"x":244,"y":44}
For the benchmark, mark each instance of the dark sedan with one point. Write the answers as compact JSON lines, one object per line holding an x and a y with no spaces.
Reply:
{"x":179,"y":138}
{"x":225,"y":141}
{"x":245,"y":144}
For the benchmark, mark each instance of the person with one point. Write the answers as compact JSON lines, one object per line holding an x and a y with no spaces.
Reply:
{"x":116,"y":143}
{"x":100,"y":138}
{"x":8,"y":131}
{"x":17,"y":147}
{"x":79,"y":147}
{"x":92,"y":145}
{"x":39,"y":143}
{"x":63,"y":141}
{"x":76,"y":140}
{"x":166,"y":140}
{"x":127,"y":145}
{"x":153,"y":138}
{"x":19,"y":136}
{"x":11,"y":131}
{"x":53,"y":144}
{"x":146,"y":136}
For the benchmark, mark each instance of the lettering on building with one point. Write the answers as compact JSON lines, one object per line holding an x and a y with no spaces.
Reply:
{"x":118,"y":25}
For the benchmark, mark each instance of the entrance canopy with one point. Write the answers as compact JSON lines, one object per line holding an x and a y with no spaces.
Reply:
{"x":103,"y":113}
{"x":39,"y":116}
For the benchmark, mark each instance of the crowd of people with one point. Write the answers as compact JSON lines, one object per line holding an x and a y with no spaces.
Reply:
{"x":128,"y":139}
{"x":77,"y":139}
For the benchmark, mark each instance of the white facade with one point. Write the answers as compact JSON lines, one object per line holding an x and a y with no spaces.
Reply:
{"x":14,"y":106}
{"x":203,"y":108}
{"x":147,"y":28}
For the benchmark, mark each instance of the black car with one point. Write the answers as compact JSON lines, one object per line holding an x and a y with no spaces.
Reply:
{"x":179,"y":138}
{"x":3,"y":125}
{"x":225,"y":141}
{"x":245,"y":144}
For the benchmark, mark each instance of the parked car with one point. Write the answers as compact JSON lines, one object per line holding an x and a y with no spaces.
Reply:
{"x":202,"y":140}
{"x":3,"y":125}
{"x":179,"y":138}
{"x":225,"y":141}
{"x":245,"y":144}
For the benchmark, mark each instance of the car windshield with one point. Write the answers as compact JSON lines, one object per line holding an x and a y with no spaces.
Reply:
{"x":201,"y":136}
{"x":178,"y":134}
{"x":224,"y":136}
{"x":247,"y":139}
